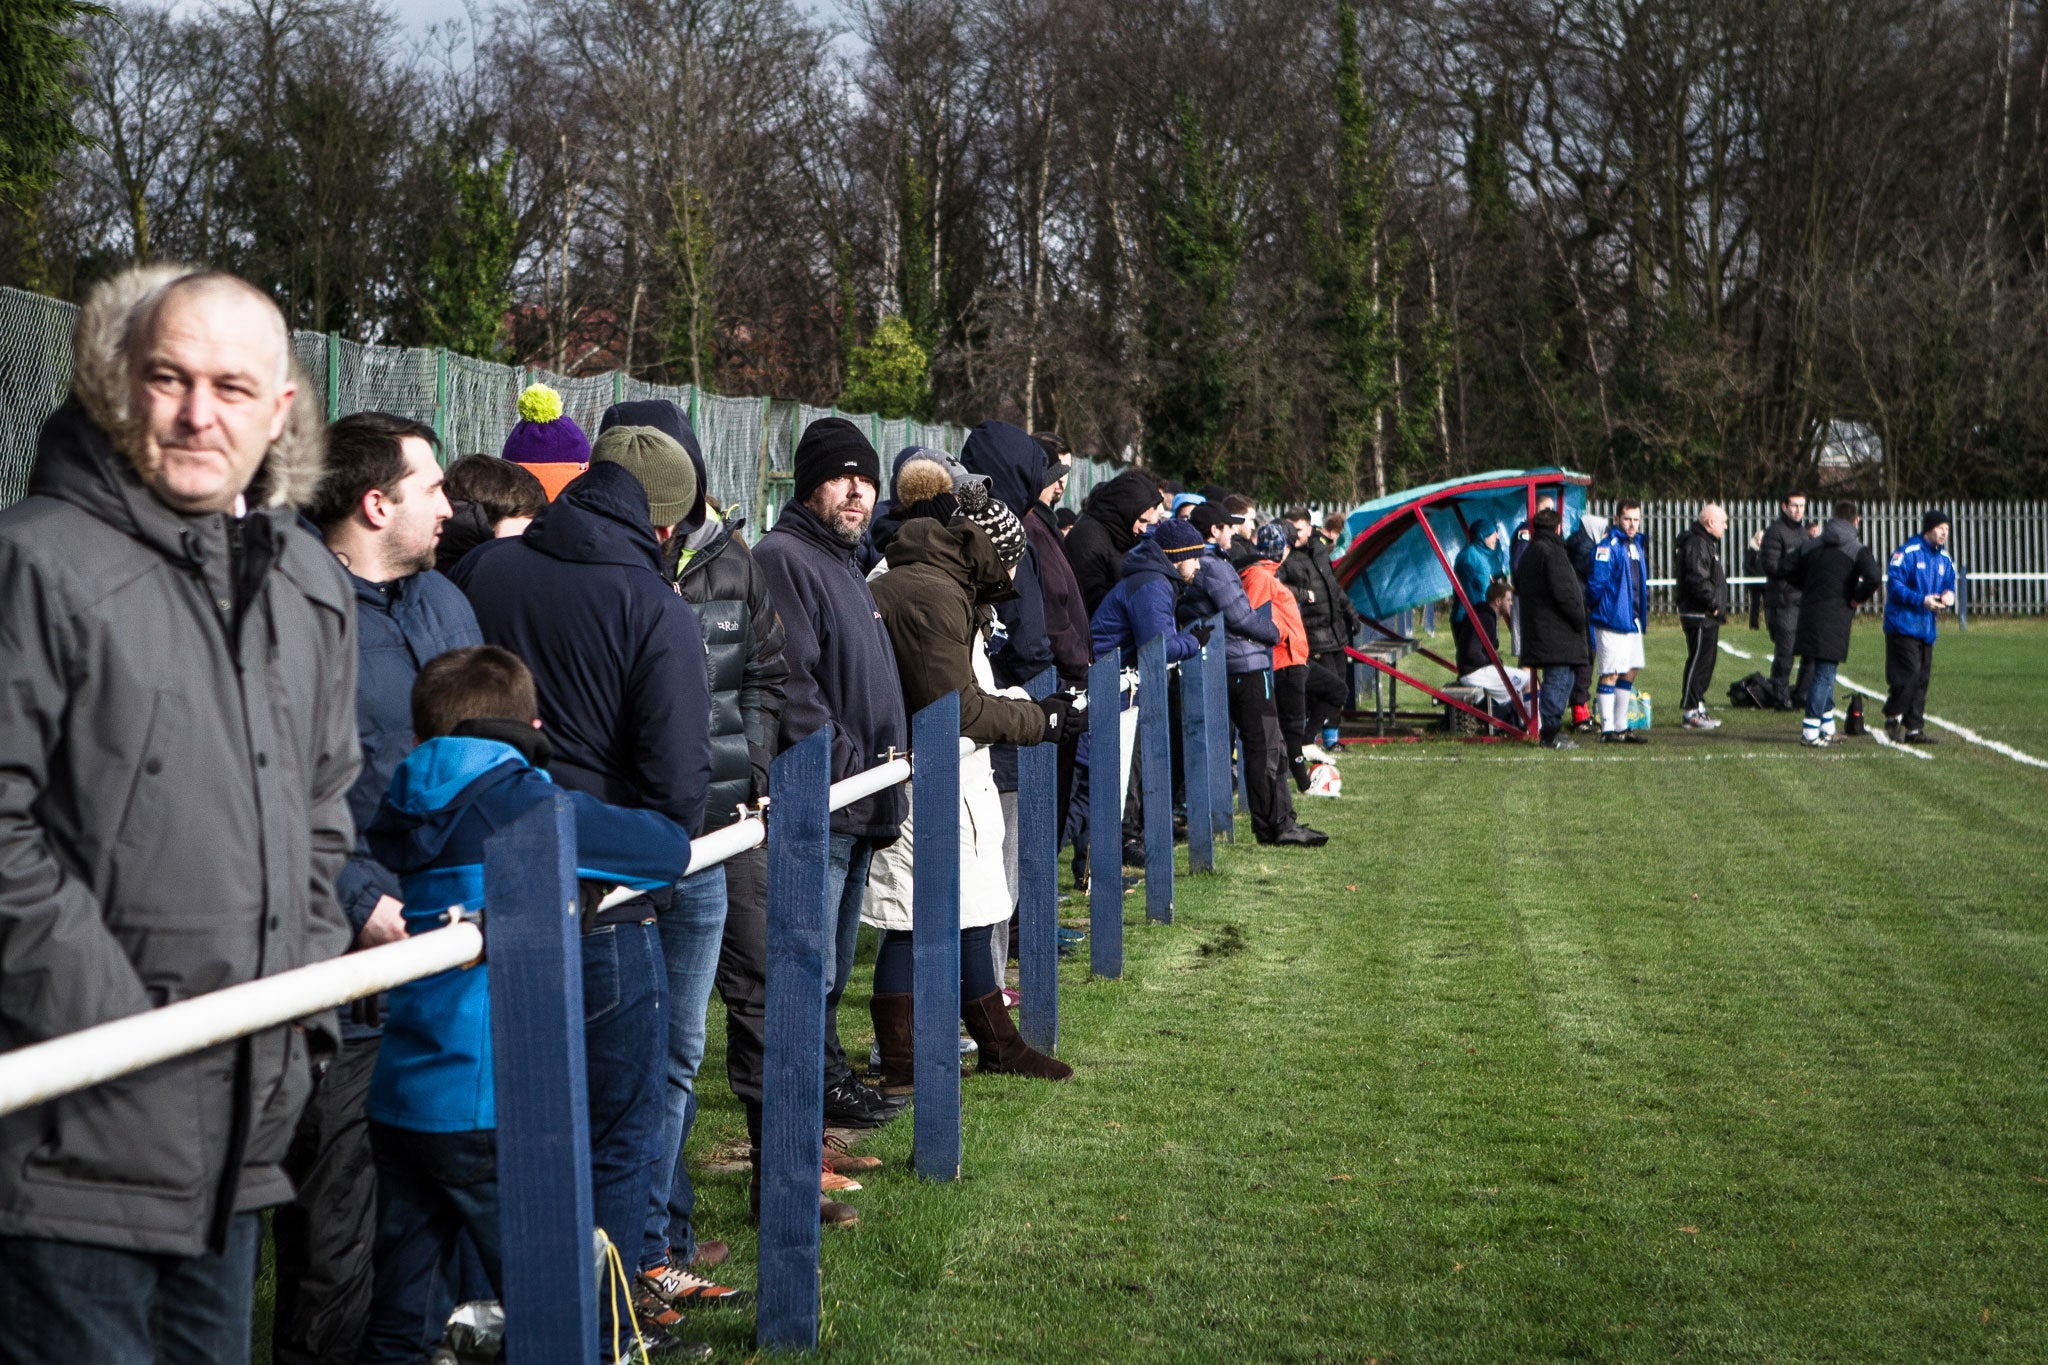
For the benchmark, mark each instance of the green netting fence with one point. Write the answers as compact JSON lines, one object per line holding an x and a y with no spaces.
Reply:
{"x":747,"y":442}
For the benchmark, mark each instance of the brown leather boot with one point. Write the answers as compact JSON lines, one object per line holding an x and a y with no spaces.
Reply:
{"x":892,"y":1016}
{"x":1003,"y":1050}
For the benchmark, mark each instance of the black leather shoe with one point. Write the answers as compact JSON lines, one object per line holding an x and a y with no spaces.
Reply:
{"x":1920,"y":737}
{"x":1301,"y":836}
{"x":849,"y":1104}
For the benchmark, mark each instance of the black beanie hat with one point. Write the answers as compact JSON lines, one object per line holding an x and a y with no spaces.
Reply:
{"x":1935,"y":517}
{"x":832,"y":448}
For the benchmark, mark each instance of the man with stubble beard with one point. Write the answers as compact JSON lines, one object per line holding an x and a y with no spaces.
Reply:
{"x":842,"y":671}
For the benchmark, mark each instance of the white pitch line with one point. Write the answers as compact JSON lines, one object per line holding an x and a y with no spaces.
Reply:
{"x":1962,"y":731}
{"x":1883,"y":741}
{"x":1727,"y":648}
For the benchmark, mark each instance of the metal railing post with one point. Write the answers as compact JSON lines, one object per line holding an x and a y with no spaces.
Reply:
{"x":935,"y":937}
{"x":1194,"y":758}
{"x":1155,"y":739}
{"x":793,"y":1109}
{"x":1038,"y":884}
{"x":544,"y":1200}
{"x":1105,"y":818}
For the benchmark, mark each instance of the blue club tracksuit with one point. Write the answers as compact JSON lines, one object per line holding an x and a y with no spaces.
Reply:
{"x":1917,"y":571}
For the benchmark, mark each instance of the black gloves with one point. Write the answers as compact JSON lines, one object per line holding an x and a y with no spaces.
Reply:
{"x":1059,"y":716}
{"x":1202,"y":630}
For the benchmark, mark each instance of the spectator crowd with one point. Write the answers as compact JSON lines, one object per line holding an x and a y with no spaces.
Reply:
{"x":274,"y":682}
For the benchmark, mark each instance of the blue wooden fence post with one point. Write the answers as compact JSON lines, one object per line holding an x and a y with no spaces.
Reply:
{"x":1105,"y":819}
{"x":935,"y":936}
{"x":793,"y":1109}
{"x":1223,"y":793}
{"x":1194,"y":758}
{"x":1038,"y":884}
{"x":534,"y":934}
{"x":1155,"y":739}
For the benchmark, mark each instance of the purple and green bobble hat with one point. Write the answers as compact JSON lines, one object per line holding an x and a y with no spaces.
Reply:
{"x":545,"y":434}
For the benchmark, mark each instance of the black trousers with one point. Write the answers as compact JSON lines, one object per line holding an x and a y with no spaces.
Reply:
{"x":324,"y":1237}
{"x":1290,"y":701}
{"x":1582,"y":686}
{"x":1783,"y":621}
{"x":1265,"y":754}
{"x":1908,"y":667}
{"x":1328,"y":695}
{"x":1702,"y":643}
{"x":742,"y":978}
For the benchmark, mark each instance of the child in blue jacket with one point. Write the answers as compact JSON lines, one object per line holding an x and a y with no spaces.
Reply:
{"x":432,"y":1102}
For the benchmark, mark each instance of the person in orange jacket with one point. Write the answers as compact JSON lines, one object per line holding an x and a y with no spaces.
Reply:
{"x":1295,"y":672}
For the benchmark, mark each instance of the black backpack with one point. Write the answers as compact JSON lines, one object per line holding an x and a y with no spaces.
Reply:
{"x":1760,"y":692}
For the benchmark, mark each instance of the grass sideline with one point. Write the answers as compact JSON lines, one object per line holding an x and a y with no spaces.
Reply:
{"x":1714,"y":1048}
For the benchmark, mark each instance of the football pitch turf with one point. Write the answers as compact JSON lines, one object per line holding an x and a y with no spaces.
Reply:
{"x":1716,"y":1048}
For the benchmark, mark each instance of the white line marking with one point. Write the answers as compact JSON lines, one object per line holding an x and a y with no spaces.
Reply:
{"x":1879,"y":736}
{"x":1962,"y":731}
{"x":1727,"y":648}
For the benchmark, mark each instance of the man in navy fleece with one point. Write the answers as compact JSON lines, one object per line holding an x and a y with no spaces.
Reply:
{"x":432,"y":1105}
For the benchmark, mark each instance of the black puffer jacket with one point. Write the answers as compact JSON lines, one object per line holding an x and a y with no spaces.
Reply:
{"x":715,"y":572}
{"x":461,"y":533}
{"x":1782,"y":543}
{"x":1326,"y":609}
{"x":1702,"y":579}
{"x":1103,"y":536}
{"x":1835,"y":575}
{"x":1553,"y":604}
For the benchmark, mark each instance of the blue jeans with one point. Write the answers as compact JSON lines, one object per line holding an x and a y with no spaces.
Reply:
{"x":846,"y":886}
{"x":70,"y":1301}
{"x":625,"y":1052}
{"x":432,"y":1188}
{"x":1556,"y":694}
{"x":1820,"y":694}
{"x":691,"y":931}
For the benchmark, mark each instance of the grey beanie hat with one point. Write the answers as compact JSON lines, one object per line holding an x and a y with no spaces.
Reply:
{"x":663,"y":467}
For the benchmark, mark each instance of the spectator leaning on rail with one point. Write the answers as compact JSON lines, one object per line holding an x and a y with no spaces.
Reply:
{"x":380,"y":509}
{"x":1552,"y":610}
{"x":1836,"y":574}
{"x":1326,"y":611}
{"x":1114,"y":515}
{"x":665,"y":457}
{"x":842,"y":673}
{"x":1702,"y":600}
{"x":1259,"y":558}
{"x":175,"y":760}
{"x":1781,"y":541}
{"x":1249,"y":636}
{"x":488,"y":499}
{"x":433,"y":1100}
{"x":618,"y":659}
{"x":943,"y":573}
{"x":1618,"y":603}
{"x":1920,"y":583}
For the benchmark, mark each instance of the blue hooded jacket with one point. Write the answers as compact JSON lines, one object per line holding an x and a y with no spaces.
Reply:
{"x":434,"y":1069}
{"x":1916,"y":572}
{"x":1140,"y":606}
{"x":1249,"y":633}
{"x":1618,"y":593}
{"x":616,"y":654}
{"x":1476,"y":566}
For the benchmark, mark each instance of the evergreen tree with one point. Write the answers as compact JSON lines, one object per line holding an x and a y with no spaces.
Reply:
{"x":39,"y":51}
{"x":890,"y":375}
{"x":465,"y":285}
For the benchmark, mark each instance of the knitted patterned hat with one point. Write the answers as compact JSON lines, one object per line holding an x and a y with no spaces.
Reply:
{"x":545,"y":434}
{"x":995,"y":519}
{"x":1178,"y":538}
{"x":1273,"y":539}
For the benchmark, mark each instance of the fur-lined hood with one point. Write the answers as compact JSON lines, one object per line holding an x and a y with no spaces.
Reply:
{"x":292,"y":468}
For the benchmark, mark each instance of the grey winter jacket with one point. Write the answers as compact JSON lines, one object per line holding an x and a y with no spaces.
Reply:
{"x":176,"y":752}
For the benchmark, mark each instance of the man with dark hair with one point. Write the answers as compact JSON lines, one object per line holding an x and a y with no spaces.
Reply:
{"x":842,"y":673}
{"x":1553,"y":616}
{"x":488,"y":498}
{"x":618,"y":659}
{"x":1920,"y":584}
{"x":179,"y":744}
{"x":1326,"y":610}
{"x":1781,"y":541}
{"x":380,"y":508}
{"x":1618,"y":602}
{"x":1835,"y":574}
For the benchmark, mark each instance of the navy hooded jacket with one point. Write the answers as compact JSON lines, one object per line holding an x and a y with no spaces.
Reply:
{"x":1014,"y":465}
{"x":617,"y":656}
{"x":842,"y":668}
{"x":1249,"y":633}
{"x":1140,"y":606}
{"x":450,"y":795}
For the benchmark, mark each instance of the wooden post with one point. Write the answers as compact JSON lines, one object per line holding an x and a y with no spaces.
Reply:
{"x":935,"y":937}
{"x":1223,"y":793}
{"x":793,"y":1112}
{"x":1038,"y":883}
{"x":1105,"y":820}
{"x":1194,"y":758}
{"x":1155,"y":741}
{"x":534,"y":935}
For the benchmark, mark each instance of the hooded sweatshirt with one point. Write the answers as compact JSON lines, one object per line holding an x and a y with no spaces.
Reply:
{"x":1103,"y":536}
{"x":617,"y":656}
{"x":1141,"y":606}
{"x":450,"y":795}
{"x":1835,"y":574}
